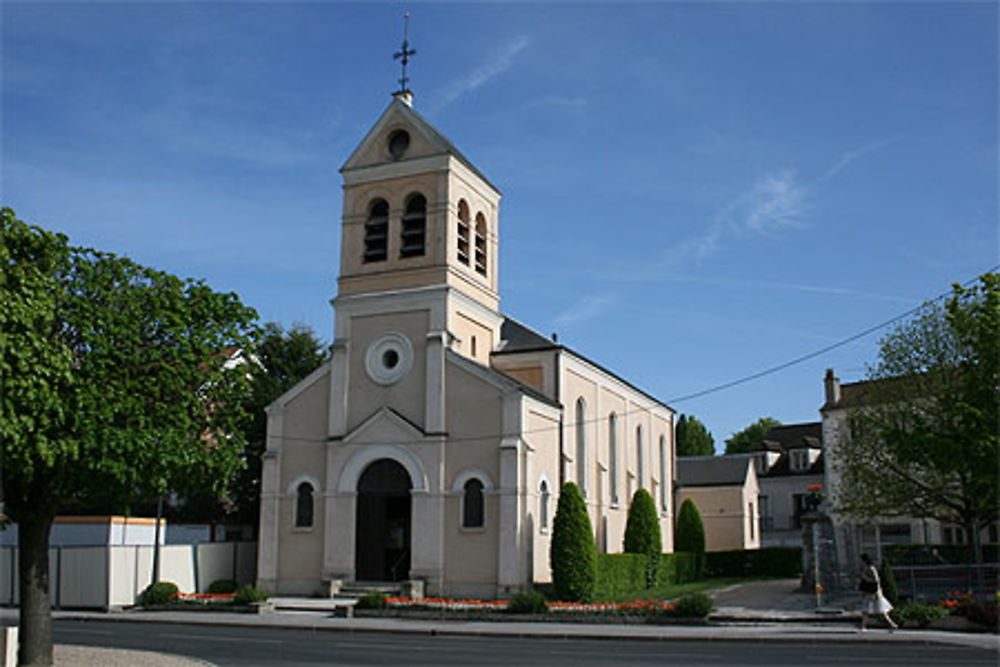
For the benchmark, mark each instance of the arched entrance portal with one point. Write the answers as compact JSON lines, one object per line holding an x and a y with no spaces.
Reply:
{"x":382,"y":551}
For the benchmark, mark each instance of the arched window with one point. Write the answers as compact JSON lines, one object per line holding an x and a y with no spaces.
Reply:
{"x":377,"y":231}
{"x":304,"y":505}
{"x":640,"y":469}
{"x":613,"y":455}
{"x":544,"y":498}
{"x":581,"y":445}
{"x":480,"y":243}
{"x":663,"y":473}
{"x":463,"y":232}
{"x":472,"y":504}
{"x":414,"y":226}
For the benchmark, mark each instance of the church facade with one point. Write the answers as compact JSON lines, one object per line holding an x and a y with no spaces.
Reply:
{"x":432,"y":445}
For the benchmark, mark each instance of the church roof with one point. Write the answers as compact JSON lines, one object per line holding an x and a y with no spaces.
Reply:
{"x":443,"y":144}
{"x":517,"y":338}
{"x":712,"y":470}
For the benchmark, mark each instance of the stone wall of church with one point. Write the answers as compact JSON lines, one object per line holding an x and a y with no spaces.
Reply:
{"x":407,"y":396}
{"x":302,"y":457}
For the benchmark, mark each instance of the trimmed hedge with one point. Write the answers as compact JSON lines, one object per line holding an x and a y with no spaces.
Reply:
{"x":573,"y":554}
{"x":223,"y":586}
{"x":619,"y":575}
{"x":690,"y":536}
{"x":766,"y":562}
{"x":642,"y":529}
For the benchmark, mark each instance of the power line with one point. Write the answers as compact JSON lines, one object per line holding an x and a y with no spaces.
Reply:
{"x":743,"y":380}
{"x":821,"y":351}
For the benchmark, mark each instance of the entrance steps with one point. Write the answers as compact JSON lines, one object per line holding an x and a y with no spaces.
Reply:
{"x":357,"y":589}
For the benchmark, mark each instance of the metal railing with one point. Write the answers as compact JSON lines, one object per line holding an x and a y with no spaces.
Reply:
{"x":934,"y":582}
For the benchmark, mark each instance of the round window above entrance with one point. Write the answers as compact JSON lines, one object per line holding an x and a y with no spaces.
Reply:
{"x":389,"y":358}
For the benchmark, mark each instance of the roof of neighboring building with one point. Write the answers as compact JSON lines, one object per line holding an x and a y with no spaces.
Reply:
{"x":713,"y":470}
{"x":792,"y":436}
{"x":517,"y":338}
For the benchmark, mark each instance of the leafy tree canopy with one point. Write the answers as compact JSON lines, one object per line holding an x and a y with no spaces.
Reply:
{"x":115,"y":377}
{"x":742,"y":441}
{"x":923,"y":437}
{"x":693,"y":439}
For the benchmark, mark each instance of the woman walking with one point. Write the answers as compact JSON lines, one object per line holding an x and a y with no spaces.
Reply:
{"x":873,"y":602}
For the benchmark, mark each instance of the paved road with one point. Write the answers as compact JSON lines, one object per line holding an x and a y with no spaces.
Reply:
{"x":260,"y":646}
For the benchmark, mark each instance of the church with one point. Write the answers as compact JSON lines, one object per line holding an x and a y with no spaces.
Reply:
{"x":432,"y":445}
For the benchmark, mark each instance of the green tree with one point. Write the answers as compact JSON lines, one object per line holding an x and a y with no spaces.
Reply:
{"x":573,"y":554}
{"x":691,"y":533}
{"x":693,"y":439}
{"x":742,"y":441}
{"x":115,"y":376}
{"x":280,"y":359}
{"x":923,"y":438}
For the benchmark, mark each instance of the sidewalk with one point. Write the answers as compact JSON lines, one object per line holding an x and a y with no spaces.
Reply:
{"x":757,"y":611}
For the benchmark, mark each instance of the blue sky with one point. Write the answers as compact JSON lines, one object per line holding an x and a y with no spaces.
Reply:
{"x":693,"y":192}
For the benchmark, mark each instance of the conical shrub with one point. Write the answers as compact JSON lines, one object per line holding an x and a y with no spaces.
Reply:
{"x":573,"y":554}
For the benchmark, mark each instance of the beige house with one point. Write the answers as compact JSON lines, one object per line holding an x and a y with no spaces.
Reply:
{"x":726,"y":492}
{"x":433,"y":444}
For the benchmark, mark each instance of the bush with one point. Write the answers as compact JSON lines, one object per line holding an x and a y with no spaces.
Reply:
{"x":693,"y":605}
{"x":642,"y":532}
{"x":246,"y":594}
{"x":162,"y":592}
{"x":888,"y":580}
{"x":373,"y":600}
{"x":573,"y":554}
{"x":691,"y":534}
{"x":222,"y":587}
{"x":918,"y":613}
{"x":766,"y":562}
{"x":982,"y":612}
{"x":642,"y":529}
{"x":531,"y":602}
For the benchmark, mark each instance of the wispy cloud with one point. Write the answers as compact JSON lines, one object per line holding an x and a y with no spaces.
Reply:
{"x":587,"y":308}
{"x":847,"y":158}
{"x":497,"y":65}
{"x":776,"y":203}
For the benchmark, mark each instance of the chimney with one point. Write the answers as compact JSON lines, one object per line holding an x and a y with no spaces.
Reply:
{"x":831,"y":384}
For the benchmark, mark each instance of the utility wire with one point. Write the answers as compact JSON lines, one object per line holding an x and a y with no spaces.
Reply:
{"x":821,"y":351}
{"x":711,"y":390}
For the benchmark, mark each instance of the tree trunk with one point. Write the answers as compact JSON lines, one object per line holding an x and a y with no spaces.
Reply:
{"x":976,"y":542}
{"x":36,"y":602}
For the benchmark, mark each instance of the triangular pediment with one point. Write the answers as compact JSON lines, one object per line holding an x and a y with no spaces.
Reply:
{"x":425,"y":141}
{"x":384,"y":427}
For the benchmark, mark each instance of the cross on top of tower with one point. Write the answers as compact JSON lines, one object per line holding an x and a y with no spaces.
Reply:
{"x":403,"y":55}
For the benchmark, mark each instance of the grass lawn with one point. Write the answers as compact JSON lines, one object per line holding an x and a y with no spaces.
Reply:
{"x":676,"y":590}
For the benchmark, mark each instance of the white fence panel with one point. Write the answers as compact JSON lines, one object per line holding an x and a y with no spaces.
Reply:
{"x":215,"y":561}
{"x":83,"y":577}
{"x":122,"y":585}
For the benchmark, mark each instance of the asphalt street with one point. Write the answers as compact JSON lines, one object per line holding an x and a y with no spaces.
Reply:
{"x":252,"y":646}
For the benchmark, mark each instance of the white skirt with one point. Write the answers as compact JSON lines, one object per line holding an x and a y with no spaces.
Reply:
{"x":876,"y":604}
